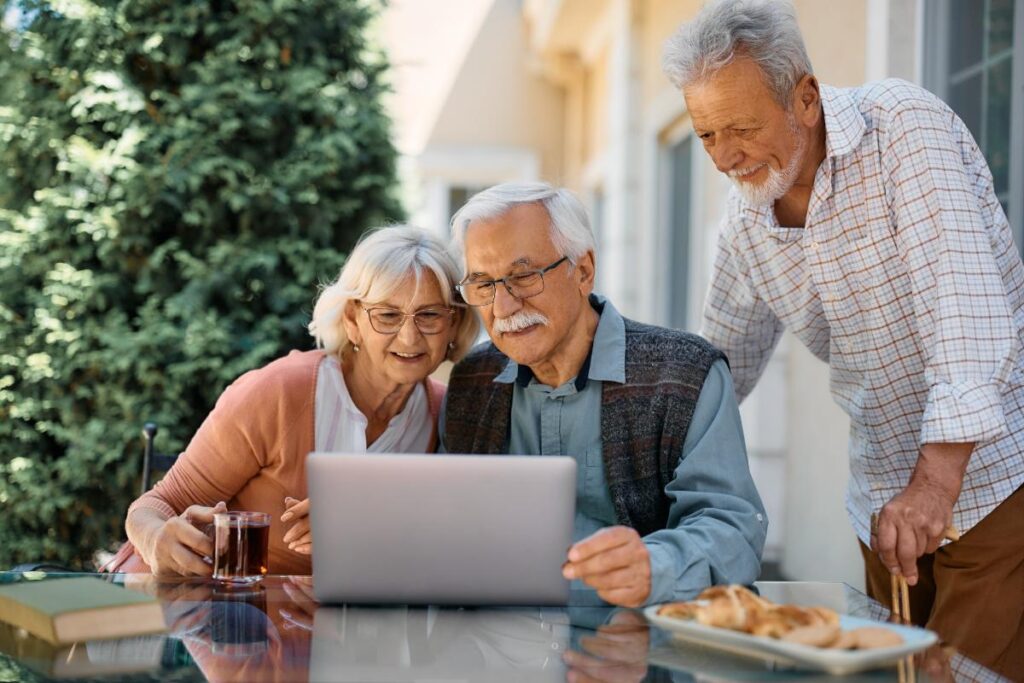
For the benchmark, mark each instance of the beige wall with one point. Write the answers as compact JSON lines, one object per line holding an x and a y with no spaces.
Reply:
{"x":595,"y":115}
{"x":565,"y":99}
{"x":834,"y":33}
{"x":497,"y":99}
{"x":659,"y":20}
{"x":798,"y":453}
{"x":820,"y":543}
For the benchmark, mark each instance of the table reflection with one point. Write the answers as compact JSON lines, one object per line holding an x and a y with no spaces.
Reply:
{"x":276,"y":632}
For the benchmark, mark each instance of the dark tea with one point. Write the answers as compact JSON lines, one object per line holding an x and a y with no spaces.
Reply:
{"x":241,"y":543}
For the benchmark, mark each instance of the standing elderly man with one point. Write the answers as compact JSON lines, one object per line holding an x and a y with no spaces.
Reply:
{"x":865,"y":221}
{"x":664,"y":498}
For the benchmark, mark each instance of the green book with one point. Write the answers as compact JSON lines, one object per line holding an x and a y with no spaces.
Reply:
{"x":70,"y":610}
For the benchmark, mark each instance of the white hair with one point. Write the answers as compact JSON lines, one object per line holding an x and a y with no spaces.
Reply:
{"x":570,"y":227}
{"x":766,"y":31}
{"x":381,"y":264}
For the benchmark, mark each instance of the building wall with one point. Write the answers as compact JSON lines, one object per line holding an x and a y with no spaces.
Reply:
{"x":483,"y":116}
{"x":498,"y":100}
{"x":595,"y":88}
{"x":796,"y":435}
{"x":572,"y":91}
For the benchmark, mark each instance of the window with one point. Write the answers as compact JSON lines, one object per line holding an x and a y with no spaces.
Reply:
{"x":458,"y":195}
{"x":974,"y":60}
{"x":680,"y":157}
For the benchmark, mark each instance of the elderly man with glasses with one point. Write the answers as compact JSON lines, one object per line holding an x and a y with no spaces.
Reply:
{"x":665,"y":502}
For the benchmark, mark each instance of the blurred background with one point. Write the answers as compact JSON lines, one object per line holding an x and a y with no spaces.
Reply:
{"x":571,"y":91}
{"x":175,"y":181}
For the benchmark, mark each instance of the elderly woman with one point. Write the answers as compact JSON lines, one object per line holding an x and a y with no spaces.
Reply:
{"x":386,"y":323}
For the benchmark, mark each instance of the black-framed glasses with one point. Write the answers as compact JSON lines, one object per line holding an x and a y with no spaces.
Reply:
{"x":387,"y":320}
{"x":520,"y":285}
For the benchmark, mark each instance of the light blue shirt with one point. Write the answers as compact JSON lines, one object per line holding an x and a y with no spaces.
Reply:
{"x":716,"y":525}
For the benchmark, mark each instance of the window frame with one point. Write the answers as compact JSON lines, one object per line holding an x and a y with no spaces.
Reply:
{"x":935,"y":76}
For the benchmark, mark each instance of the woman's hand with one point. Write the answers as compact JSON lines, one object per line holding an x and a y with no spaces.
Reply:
{"x":300,"y":613}
{"x":300,"y":537}
{"x":180,"y":547}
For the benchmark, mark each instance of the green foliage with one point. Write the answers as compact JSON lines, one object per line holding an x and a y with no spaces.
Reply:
{"x":176,"y":178}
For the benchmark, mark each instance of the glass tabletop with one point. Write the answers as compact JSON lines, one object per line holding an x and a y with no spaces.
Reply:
{"x":275,"y":631}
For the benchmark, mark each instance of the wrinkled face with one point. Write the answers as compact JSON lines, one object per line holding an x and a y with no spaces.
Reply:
{"x":407,"y":356}
{"x":535,"y":330}
{"x":749,"y":137}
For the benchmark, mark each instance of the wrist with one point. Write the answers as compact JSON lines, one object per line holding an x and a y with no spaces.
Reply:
{"x":940,"y":468}
{"x":142,"y":527}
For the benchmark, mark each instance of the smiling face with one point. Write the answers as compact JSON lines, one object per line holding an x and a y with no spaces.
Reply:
{"x":407,"y":356}
{"x":538,"y":330}
{"x":760,"y":145}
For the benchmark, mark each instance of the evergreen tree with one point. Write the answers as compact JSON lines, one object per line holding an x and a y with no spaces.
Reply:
{"x":176,"y":178}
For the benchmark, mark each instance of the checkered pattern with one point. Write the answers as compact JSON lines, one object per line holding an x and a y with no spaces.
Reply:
{"x":905,"y":280}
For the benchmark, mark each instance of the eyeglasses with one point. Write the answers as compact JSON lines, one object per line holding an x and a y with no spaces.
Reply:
{"x":520,"y":285}
{"x":391,"y":320}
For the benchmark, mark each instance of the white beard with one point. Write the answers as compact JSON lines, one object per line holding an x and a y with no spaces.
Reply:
{"x":778,"y":183}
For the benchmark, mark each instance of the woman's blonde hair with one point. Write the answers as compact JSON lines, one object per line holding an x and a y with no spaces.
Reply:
{"x":380,"y":264}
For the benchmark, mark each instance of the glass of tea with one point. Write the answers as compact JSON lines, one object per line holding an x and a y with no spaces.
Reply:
{"x":241,"y":544}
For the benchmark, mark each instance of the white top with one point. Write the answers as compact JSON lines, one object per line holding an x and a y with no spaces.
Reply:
{"x":340,"y":427}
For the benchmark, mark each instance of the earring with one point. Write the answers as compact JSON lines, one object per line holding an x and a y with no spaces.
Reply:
{"x":355,"y":347}
{"x":451,"y":345}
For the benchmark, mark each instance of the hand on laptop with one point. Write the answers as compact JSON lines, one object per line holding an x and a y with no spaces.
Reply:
{"x":615,"y":562}
{"x":299,"y":538}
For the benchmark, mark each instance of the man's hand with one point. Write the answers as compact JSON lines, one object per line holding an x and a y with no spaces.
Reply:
{"x":180,"y":544}
{"x":615,"y":562}
{"x":617,"y":653}
{"x":300,"y":537}
{"x":914,"y":522}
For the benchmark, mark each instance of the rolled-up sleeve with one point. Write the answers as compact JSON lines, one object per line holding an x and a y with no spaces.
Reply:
{"x":717,"y":523}
{"x":960,"y":303}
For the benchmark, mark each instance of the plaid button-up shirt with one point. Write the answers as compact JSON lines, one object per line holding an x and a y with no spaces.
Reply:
{"x":905,"y":280}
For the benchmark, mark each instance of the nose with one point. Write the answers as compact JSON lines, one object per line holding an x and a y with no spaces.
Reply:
{"x":408,"y":333}
{"x":725,"y":155}
{"x":504,"y":303}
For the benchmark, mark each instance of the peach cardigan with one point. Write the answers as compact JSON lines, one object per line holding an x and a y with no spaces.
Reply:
{"x":251,"y":452}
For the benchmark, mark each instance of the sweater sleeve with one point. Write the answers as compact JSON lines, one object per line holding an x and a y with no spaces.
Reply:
{"x":229,"y":449}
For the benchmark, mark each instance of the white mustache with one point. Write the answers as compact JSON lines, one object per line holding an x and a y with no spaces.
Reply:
{"x":519,"y":320}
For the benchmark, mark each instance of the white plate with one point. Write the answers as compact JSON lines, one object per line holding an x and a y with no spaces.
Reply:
{"x":792,"y":654}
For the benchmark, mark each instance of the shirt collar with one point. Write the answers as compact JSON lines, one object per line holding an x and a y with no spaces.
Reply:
{"x":844,"y":128}
{"x":606,"y":360}
{"x":844,"y":124}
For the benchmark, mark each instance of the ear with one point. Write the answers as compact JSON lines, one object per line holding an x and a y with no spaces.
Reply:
{"x":349,"y":320}
{"x":807,"y":101}
{"x":457,"y":313}
{"x":585,"y":271}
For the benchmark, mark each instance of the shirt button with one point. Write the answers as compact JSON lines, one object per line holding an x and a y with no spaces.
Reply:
{"x":814,"y":246}
{"x":760,"y":517}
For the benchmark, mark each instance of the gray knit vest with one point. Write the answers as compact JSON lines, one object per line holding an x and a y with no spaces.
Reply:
{"x":643,"y":421}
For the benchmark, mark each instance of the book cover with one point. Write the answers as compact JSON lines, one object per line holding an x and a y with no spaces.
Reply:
{"x":69,"y":610}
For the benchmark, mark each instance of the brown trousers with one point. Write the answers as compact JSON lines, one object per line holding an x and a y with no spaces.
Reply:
{"x":971,"y":592}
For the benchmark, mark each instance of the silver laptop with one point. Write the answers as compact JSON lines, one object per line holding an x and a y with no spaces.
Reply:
{"x":441,"y":529}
